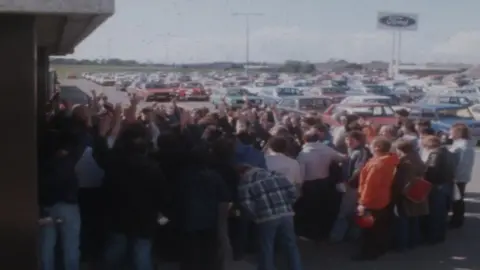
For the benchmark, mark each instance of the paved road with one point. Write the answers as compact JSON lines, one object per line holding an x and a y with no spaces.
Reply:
{"x":460,"y":252}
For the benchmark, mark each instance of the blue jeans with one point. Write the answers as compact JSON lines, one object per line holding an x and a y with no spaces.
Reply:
{"x":436,"y":221}
{"x":280,"y":229}
{"x":344,"y":219}
{"x":407,"y":232}
{"x":68,"y":225}
{"x":117,"y":250}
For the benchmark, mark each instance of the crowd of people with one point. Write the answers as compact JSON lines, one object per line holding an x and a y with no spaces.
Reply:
{"x":123,"y":186}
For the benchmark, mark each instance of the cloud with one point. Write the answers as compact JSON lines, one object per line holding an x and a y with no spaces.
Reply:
{"x":462,"y":46}
{"x":277,"y":44}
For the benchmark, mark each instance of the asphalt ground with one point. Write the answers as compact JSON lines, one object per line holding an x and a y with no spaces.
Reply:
{"x":460,"y":252}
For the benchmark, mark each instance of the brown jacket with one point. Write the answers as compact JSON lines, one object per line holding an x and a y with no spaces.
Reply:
{"x":410,"y":168}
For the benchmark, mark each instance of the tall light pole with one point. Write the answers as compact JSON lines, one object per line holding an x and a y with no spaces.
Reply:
{"x":247,"y":16}
{"x":167,"y":37}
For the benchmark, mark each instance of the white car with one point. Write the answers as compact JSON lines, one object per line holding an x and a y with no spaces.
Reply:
{"x":370,"y":99}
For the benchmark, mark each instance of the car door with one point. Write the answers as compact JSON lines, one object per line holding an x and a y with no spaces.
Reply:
{"x":475,"y":109}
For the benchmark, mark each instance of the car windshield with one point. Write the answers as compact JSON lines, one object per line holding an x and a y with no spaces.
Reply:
{"x":314,"y":103}
{"x":193,"y":85}
{"x":243,"y":83}
{"x":155,"y":85}
{"x":377,"y":89}
{"x":421,"y":113}
{"x":289,"y":92}
{"x":463,"y":113}
{"x":333,"y":90}
{"x":238,"y":92}
{"x":385,"y":101}
{"x":377,"y":111}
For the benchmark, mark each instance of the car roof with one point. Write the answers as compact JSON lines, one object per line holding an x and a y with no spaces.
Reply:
{"x":371,"y":97}
{"x":306,"y":97}
{"x":438,"y":106}
{"x":361,"y":105}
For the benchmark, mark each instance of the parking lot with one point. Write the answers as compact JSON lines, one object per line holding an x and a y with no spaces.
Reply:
{"x":460,"y":252}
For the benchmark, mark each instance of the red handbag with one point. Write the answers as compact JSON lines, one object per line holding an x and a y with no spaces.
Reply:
{"x":418,"y":190}
{"x":364,"y":222}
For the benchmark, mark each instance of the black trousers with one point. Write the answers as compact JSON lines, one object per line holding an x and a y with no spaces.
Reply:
{"x":200,"y":250}
{"x":458,"y":208}
{"x":376,"y":240}
{"x":316,"y":209}
{"x":92,"y":235}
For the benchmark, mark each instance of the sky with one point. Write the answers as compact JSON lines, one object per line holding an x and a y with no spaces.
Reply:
{"x":186,"y":31}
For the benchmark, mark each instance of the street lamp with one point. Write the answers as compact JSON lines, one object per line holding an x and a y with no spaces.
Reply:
{"x":247,"y":16}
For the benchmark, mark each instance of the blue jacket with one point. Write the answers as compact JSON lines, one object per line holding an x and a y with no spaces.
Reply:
{"x":247,"y":154}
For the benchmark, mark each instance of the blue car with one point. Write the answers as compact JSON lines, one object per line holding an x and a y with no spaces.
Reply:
{"x":443,"y":116}
{"x":272,"y":95}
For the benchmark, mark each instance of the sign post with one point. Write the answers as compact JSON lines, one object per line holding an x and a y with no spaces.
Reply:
{"x":397,"y":23}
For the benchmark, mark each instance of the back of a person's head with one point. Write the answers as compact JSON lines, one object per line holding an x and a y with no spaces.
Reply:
{"x":409,"y":126}
{"x":357,"y":135}
{"x":426,"y":131}
{"x":309,"y":120}
{"x":278,"y":144}
{"x":245,"y":137}
{"x":405,"y":146}
{"x":423,"y":123}
{"x":461,"y":130}
{"x":311,"y":136}
{"x":381,"y":145}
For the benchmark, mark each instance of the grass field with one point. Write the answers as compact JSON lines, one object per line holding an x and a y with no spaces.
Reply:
{"x":64,"y":70}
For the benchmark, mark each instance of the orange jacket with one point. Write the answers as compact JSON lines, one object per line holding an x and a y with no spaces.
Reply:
{"x":376,"y":180}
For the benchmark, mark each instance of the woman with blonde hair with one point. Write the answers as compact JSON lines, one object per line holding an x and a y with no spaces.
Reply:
{"x":464,"y":152}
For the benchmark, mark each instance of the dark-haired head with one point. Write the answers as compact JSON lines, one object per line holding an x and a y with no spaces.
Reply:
{"x":134,"y":138}
{"x":311,"y":136}
{"x":278,"y":144}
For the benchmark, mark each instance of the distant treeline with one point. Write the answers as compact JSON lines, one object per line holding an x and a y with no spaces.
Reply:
{"x":291,"y":66}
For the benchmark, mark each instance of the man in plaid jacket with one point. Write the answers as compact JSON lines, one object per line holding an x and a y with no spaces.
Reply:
{"x":267,"y":198}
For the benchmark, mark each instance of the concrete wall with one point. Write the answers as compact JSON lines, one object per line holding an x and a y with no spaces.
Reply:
{"x":58,"y":6}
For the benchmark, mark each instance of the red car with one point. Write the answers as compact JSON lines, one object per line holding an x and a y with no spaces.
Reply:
{"x":377,"y":114}
{"x":155,"y":92}
{"x":191,"y":91}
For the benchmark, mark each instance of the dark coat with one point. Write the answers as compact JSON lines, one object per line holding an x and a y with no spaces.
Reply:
{"x":134,"y":190}
{"x":410,"y":169}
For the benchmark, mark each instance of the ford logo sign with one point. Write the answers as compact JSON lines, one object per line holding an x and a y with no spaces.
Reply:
{"x":397,"y":21}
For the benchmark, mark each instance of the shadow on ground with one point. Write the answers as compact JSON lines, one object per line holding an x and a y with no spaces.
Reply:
{"x":460,"y":252}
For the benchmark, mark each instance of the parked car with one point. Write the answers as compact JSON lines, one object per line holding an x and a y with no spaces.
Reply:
{"x":234,"y":97}
{"x":123,"y":85}
{"x":74,"y":95}
{"x":191,"y":91}
{"x":443,"y":116}
{"x":154,"y":91}
{"x":301,"y":105}
{"x":272,"y":95}
{"x":446,"y":99}
{"x":378,"y":114}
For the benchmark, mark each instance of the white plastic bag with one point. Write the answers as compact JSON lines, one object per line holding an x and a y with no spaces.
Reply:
{"x":456,"y":193}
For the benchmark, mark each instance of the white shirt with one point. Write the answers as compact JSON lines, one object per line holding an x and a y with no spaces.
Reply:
{"x":287,"y":166}
{"x":315,"y":159}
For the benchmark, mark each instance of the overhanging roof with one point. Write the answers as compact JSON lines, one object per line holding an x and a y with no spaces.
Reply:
{"x":62,"y":24}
